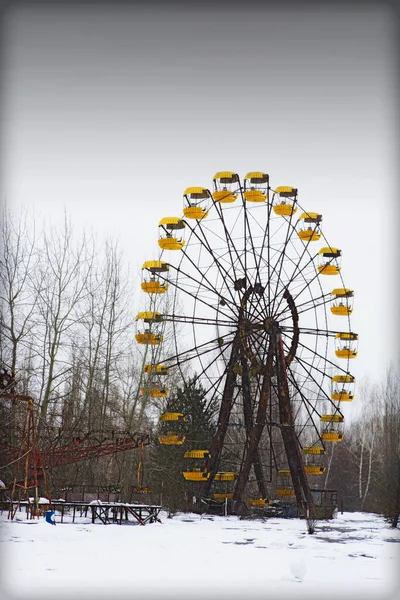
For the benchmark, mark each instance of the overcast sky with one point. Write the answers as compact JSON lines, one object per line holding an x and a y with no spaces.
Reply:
{"x":111,"y":111}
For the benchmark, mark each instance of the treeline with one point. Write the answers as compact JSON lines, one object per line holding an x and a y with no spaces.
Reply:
{"x":67,"y":332}
{"x":365,"y":466}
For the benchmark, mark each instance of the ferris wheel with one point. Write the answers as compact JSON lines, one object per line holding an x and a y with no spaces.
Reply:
{"x":254,"y":315}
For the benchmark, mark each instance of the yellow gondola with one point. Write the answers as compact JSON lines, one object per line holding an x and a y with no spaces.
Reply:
{"x":314,"y":469}
{"x":341,"y":304}
{"x":167,"y":241}
{"x":259,"y":502}
{"x":196,"y":475}
{"x":172,"y":416}
{"x":172,"y":439}
{"x":197,"y":454}
{"x":157,"y":369}
{"x":256,"y":186}
{"x":284,"y":200}
{"x":155,"y":392}
{"x":331,"y":436}
{"x":343,"y":388}
{"x":308,"y":226}
{"x":284,"y":472}
{"x":346,"y":345}
{"x":154,"y":285}
{"x":196,"y":203}
{"x":149,"y":317}
{"x":226,"y":476}
{"x":319,"y":450}
{"x":225,"y":184}
{"x":329,"y":261}
{"x":221,"y":496}
{"x":336,"y":418}
{"x":148,"y":338}
{"x":285,"y":492}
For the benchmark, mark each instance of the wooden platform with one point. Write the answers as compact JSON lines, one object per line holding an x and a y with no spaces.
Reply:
{"x":103,"y":512}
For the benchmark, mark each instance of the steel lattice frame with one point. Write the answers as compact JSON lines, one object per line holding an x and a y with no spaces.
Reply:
{"x":250,"y":314}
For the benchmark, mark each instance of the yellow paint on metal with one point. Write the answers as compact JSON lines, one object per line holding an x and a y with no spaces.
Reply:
{"x":171,"y":243}
{"x":149,"y":317}
{"x":172,"y":416}
{"x":226,"y":175}
{"x":314,"y":469}
{"x":173,"y":439}
{"x":224,"y":197}
{"x":197,"y":454}
{"x":154,"y":287}
{"x":196,"y":475}
{"x":254,"y":196}
{"x":195,"y":212}
{"x":284,"y":209}
{"x":156,"y":266}
{"x":226,"y":476}
{"x":328,"y":270}
{"x":343,"y":379}
{"x":332,"y":418}
{"x":332,"y":437}
{"x":313,"y":450}
{"x":148,"y":338}
{"x":172,"y":223}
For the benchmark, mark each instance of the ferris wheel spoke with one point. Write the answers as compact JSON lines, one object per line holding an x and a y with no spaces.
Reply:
{"x":229,"y":240}
{"x":309,"y":282}
{"x":189,"y":354}
{"x":296,"y":275}
{"x":311,"y":331}
{"x":183,"y":289}
{"x":279,"y":265}
{"x":210,"y":287}
{"x":203,"y":240}
{"x":308,"y":305}
{"x":307,"y":366}
{"x":196,"y":320}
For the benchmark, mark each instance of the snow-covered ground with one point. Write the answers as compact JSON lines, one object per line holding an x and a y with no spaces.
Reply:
{"x":189,"y":556}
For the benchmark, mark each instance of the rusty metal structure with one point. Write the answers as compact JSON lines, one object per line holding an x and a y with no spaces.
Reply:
{"x":250,"y":318}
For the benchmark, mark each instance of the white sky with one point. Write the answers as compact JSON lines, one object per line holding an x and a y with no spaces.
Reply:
{"x":112,"y":113}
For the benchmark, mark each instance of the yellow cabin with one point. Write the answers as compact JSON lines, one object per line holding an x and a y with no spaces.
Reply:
{"x":331,"y":436}
{"x":346,"y":345}
{"x":256,"y":187}
{"x":329,"y":261}
{"x":285,"y":492}
{"x":335,"y":418}
{"x":284,"y":472}
{"x":149,"y":317}
{"x":196,"y":203}
{"x":197,"y":454}
{"x":226,"y":185}
{"x":308,"y":226}
{"x":196,"y":475}
{"x":152,"y":281}
{"x":226,"y":476}
{"x":220,"y":497}
{"x":167,"y":239}
{"x":319,"y":450}
{"x":155,"y":392}
{"x":152,"y":339}
{"x":156,"y":369}
{"x":284,"y":201}
{"x":172,"y":416}
{"x":172,"y":439}
{"x":314,"y":469}
{"x":341,"y":301}
{"x":258,"y":502}
{"x":342,"y":389}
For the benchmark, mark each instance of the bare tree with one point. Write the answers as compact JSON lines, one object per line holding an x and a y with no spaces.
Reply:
{"x":18,"y":263}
